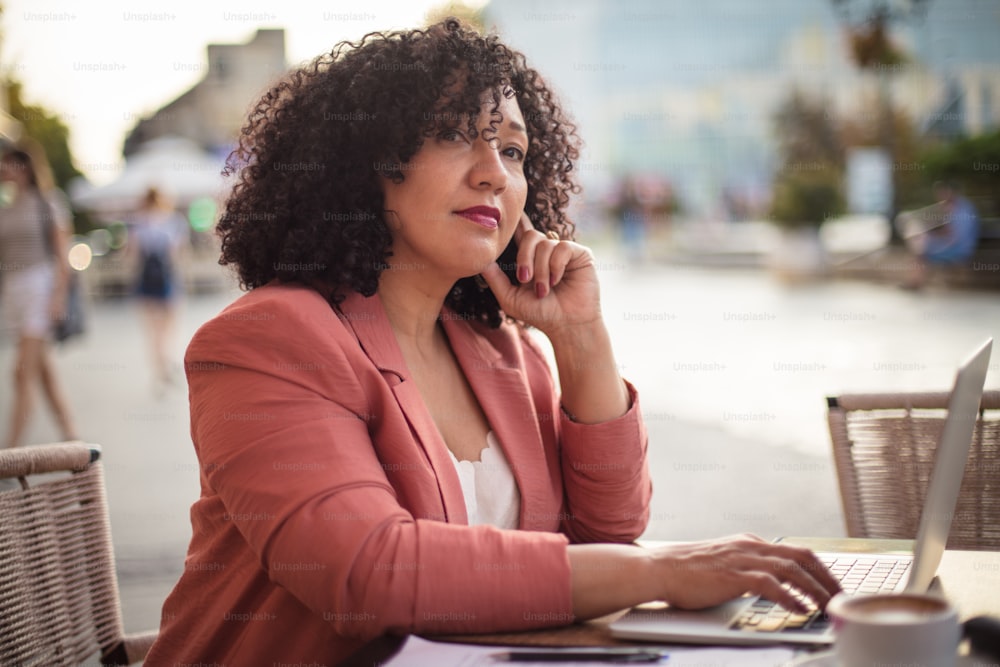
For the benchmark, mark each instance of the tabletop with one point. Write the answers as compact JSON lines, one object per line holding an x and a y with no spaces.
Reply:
{"x":970,"y":580}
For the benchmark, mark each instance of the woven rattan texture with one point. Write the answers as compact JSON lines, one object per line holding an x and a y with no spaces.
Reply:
{"x":58,"y":591}
{"x":885,"y":455}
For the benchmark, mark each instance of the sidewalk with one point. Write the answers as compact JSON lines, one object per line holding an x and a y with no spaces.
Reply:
{"x":750,"y":245}
{"x":707,"y":482}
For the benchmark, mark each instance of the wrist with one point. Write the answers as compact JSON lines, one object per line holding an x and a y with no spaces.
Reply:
{"x":578,"y":338}
{"x":609,"y":577}
{"x":592,"y":388}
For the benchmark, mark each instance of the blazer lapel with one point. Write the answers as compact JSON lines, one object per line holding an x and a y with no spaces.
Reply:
{"x":502,"y":392}
{"x":367,"y":318}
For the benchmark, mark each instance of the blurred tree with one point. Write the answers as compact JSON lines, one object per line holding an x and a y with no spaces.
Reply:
{"x":873,"y":50}
{"x":806,"y":199}
{"x":871,"y":47}
{"x":868,"y":39}
{"x":974,"y":164}
{"x":806,"y":132}
{"x":467,"y":13}
{"x":47,"y":129}
{"x":808,"y":186}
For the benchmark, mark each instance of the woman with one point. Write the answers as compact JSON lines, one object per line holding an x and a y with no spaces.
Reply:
{"x":35,"y":282}
{"x":154,"y":242}
{"x":381,"y":443}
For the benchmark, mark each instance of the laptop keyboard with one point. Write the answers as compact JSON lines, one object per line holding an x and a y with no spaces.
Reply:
{"x":857,"y":575}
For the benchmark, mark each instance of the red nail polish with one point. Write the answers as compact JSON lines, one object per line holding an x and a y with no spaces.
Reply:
{"x":540,"y":290}
{"x":522,"y":274}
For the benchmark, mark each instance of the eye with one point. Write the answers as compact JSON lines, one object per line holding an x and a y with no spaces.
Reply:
{"x":514,"y":152}
{"x":451,"y":134}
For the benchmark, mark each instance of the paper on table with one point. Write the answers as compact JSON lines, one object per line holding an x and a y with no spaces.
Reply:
{"x":419,"y":652}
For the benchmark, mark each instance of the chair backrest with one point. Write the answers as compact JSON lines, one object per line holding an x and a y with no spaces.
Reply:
{"x":59,"y":601}
{"x":883,"y":449}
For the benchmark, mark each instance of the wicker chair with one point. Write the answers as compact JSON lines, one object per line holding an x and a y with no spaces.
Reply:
{"x":58,"y":587}
{"x":883,"y":449}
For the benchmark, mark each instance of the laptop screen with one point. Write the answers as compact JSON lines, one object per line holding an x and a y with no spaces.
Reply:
{"x":949,"y":467}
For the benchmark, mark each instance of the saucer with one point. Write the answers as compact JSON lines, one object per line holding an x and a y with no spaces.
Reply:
{"x":827,"y":659}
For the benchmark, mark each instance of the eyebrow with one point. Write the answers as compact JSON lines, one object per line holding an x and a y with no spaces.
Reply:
{"x":517,"y":127}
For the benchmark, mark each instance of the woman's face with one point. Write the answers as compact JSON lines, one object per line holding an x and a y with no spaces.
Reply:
{"x":461,"y":197}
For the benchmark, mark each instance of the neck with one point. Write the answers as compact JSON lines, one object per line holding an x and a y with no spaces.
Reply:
{"x":412,"y":305}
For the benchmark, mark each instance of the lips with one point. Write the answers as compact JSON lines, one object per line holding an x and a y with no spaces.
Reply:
{"x":487,"y":216}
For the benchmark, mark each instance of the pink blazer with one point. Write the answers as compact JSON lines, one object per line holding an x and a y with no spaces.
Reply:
{"x":330,"y":511}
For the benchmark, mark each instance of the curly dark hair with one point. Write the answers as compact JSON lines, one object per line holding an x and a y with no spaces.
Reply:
{"x":308,"y":204}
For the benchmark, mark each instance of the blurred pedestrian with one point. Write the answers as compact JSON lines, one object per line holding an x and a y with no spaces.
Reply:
{"x":949,"y":240}
{"x":155,"y":242}
{"x":633,"y":219}
{"x":34,"y":225}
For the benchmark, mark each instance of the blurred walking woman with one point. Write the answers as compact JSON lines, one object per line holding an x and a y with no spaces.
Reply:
{"x":382,"y":446}
{"x":155,"y":241}
{"x":35,"y":280}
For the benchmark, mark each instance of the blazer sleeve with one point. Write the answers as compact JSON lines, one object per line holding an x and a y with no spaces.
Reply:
{"x":606,"y":480}
{"x":279,"y":399}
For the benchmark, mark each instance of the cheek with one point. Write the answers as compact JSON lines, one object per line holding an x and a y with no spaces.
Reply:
{"x":517,"y":190}
{"x":507,"y":234}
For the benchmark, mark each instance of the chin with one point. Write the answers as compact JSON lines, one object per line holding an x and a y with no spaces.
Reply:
{"x":476,"y":258}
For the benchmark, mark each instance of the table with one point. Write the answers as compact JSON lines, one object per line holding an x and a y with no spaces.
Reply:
{"x":969,"y":579}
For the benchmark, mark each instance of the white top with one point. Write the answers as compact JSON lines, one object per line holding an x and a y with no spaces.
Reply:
{"x":489,"y":487}
{"x":22,"y":229}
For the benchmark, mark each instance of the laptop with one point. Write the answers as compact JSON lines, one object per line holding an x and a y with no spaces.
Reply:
{"x":752,"y":620}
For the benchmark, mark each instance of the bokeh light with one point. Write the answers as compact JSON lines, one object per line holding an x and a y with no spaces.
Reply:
{"x":119,"y":234}
{"x":80,"y":256}
{"x":201,"y":214}
{"x":100,"y":242}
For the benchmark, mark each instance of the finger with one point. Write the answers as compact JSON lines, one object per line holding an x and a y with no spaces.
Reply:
{"x":524,"y":226}
{"x":768,"y":586}
{"x":498,"y":282}
{"x":820,"y":572}
{"x":542,"y":263}
{"x":526,"y":246}
{"x":809,"y":563}
{"x":792,"y":574}
{"x":561,"y":256}
{"x":794,"y":565}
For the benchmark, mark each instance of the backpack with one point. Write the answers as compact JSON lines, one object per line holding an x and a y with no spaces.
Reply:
{"x":154,"y":276}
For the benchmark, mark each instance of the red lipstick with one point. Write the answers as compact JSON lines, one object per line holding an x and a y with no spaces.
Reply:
{"x":487,"y":216}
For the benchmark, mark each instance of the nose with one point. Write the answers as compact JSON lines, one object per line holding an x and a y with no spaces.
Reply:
{"x":488,"y":170}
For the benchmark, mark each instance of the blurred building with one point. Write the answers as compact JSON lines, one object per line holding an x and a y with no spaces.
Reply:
{"x":212,"y":112}
{"x":688,"y":90}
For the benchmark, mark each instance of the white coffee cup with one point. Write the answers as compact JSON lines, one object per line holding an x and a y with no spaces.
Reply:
{"x":896,"y":629}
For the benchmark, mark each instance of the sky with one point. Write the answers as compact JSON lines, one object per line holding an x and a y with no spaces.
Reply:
{"x":103,"y":65}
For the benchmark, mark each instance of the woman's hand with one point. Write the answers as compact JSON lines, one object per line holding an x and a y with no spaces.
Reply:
{"x":703,"y":574}
{"x":560,"y":296}
{"x":559,"y":286}
{"x":695,"y":575}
